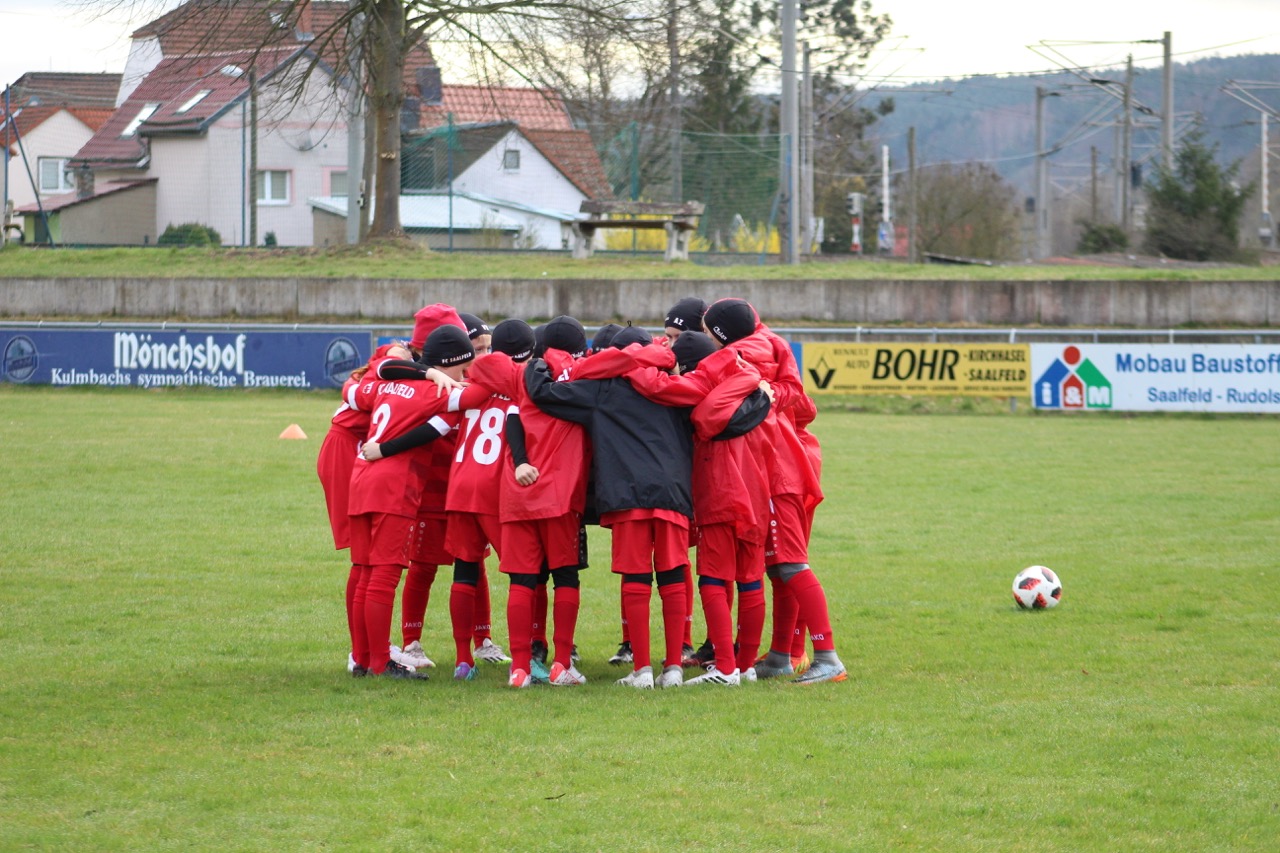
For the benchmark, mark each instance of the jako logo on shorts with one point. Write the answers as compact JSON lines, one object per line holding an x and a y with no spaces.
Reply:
{"x":1072,"y":382}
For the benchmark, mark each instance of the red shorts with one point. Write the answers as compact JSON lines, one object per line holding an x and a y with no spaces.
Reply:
{"x":646,"y":545}
{"x":788,"y":539}
{"x":337,"y":458}
{"x":723,"y":556}
{"x":380,"y":539}
{"x":428,"y":541}
{"x":469,"y":534}
{"x":526,"y":543}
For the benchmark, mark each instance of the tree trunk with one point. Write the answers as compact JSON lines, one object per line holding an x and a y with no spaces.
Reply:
{"x":386,"y":98}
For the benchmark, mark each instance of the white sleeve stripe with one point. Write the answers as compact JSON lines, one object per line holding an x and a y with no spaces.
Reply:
{"x":455,"y":399}
{"x":513,"y":410}
{"x":351,"y":395}
{"x":441,"y":425}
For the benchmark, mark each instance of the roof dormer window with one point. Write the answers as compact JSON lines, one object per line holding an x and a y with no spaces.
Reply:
{"x":145,"y":113}
{"x":197,"y":98}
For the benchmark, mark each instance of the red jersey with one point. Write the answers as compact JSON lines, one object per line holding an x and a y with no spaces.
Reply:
{"x":475,"y":480}
{"x":394,"y":485}
{"x":557,"y":448}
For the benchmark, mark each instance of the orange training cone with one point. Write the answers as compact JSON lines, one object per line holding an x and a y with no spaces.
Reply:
{"x":293,"y":431}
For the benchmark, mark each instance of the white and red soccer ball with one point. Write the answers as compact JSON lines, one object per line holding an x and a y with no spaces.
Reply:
{"x":1037,"y":588}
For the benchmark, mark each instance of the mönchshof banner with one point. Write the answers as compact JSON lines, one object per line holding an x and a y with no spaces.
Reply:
{"x":978,"y":370}
{"x":152,"y":358}
{"x":1156,"y":377}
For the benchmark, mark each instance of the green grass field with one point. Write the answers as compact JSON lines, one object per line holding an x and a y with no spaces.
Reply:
{"x":172,"y":670}
{"x":394,"y":262}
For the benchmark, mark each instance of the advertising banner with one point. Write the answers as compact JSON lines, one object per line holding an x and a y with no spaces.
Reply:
{"x":978,"y":370}
{"x":150,"y":358}
{"x":1156,"y":377}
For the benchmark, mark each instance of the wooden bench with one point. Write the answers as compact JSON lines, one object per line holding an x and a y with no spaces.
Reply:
{"x":678,"y":220}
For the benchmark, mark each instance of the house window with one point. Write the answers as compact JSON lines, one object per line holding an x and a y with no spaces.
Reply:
{"x":53,"y":175}
{"x":511,"y":160}
{"x":143,"y":114}
{"x":197,"y":98}
{"x":273,"y":187}
{"x":338,"y":184}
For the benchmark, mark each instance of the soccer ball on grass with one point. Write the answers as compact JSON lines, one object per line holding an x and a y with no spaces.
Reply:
{"x":1037,"y":588}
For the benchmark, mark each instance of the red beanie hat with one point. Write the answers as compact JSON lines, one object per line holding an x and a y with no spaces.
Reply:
{"x":431,"y":318}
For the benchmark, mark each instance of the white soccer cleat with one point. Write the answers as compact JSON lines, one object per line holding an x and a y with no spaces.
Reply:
{"x":715,"y":676}
{"x":351,"y":662}
{"x":672,"y":676}
{"x":491,"y":652}
{"x":562,"y":676}
{"x":749,"y":675}
{"x":412,"y":655}
{"x":641,"y":679}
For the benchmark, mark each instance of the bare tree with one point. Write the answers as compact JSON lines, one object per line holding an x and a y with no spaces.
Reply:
{"x":966,"y":211}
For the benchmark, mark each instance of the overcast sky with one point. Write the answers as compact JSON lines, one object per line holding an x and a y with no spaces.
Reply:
{"x":930,"y":39}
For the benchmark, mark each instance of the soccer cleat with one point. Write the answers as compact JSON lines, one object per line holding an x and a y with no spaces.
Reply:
{"x":491,"y":652}
{"x":399,"y":670}
{"x":538,"y":651}
{"x":765,"y":668}
{"x":412,"y":655}
{"x":687,"y":656}
{"x":464,"y":672}
{"x":623,"y":654}
{"x":672,"y":676}
{"x":705,"y":656}
{"x":574,"y":657}
{"x":715,"y":676}
{"x":562,"y":676}
{"x":538,"y":671}
{"x":821,"y":670}
{"x":351,"y":663}
{"x":801,"y":663}
{"x":519,"y":679}
{"x":641,"y":679}
{"x":358,"y":671}
{"x":749,"y":675}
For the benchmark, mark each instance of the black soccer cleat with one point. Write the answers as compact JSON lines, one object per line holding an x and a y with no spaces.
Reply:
{"x":705,"y":656}
{"x":538,"y":651}
{"x":399,"y":670}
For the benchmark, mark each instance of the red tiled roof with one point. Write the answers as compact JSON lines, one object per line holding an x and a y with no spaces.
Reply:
{"x":527,"y":107}
{"x":171,"y":85}
{"x":208,"y":26}
{"x":29,"y":118}
{"x":57,"y":88}
{"x":572,"y":152}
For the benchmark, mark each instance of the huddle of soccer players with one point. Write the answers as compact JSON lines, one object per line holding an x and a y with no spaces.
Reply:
{"x":488,"y":439}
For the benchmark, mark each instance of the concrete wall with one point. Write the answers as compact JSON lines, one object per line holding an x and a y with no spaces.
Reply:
{"x":1139,"y":304}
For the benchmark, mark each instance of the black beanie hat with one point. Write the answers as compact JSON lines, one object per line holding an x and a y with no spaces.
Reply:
{"x":690,"y":348}
{"x":513,"y":337}
{"x":447,"y":346}
{"x":566,"y":334}
{"x":730,"y":320}
{"x":685,"y":315}
{"x":604,"y":336}
{"x":475,"y":326}
{"x":631,"y":335}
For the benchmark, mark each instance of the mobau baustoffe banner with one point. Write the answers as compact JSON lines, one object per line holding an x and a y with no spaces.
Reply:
{"x":1156,"y":377}
{"x":148,"y":358}
{"x":978,"y":370}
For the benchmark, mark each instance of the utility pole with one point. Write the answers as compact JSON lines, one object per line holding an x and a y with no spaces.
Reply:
{"x":1093,"y":183}
{"x":913,"y":248}
{"x":1126,"y":147}
{"x":884,"y":237}
{"x":806,"y":156}
{"x":1042,"y":179}
{"x":677,"y":118}
{"x":789,"y":126}
{"x":1166,"y":137}
{"x":253,"y":159}
{"x":1266,"y":231}
{"x":355,"y":134}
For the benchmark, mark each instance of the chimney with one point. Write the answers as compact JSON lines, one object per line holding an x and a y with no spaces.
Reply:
{"x":429,"y":86}
{"x":305,"y":30}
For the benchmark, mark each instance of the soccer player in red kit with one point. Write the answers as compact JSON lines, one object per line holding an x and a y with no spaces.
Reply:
{"x":341,"y":444}
{"x":542,"y":495}
{"x":795,"y":492}
{"x":385,"y":494}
